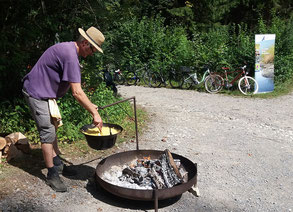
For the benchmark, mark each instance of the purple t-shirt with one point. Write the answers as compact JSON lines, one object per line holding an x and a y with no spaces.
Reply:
{"x":50,"y":77}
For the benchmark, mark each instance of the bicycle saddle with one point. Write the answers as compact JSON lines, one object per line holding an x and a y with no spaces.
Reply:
{"x":225,"y":68}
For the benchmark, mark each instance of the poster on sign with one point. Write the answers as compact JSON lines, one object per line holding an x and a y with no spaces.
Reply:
{"x":264,"y":62}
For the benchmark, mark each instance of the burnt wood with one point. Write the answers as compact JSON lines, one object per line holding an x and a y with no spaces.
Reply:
{"x":168,"y":170}
{"x":172,"y":163}
{"x":160,"y":173}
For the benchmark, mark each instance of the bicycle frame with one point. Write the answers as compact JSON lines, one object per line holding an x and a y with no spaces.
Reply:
{"x":135,"y":76}
{"x":194,"y":77}
{"x":228,"y":83}
{"x":139,"y":73}
{"x":207,"y":72}
{"x":246,"y":84}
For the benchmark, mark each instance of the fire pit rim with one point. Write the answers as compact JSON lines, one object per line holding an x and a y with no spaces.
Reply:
{"x":147,"y":194}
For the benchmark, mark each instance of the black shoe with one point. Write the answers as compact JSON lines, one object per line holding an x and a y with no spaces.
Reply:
{"x":56,"y":183}
{"x":66,"y":170}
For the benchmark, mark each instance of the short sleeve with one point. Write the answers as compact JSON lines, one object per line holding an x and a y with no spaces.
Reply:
{"x":71,"y":72}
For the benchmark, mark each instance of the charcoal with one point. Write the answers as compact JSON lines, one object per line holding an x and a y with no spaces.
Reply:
{"x":157,"y":179}
{"x":164,"y":172}
{"x":130,"y":172}
{"x":138,"y":180}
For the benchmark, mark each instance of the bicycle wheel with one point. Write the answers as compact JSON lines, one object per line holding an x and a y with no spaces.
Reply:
{"x":247,"y":85}
{"x":214,"y":83}
{"x":119,"y":79}
{"x":187,"y":82}
{"x":176,"y":81}
{"x":155,"y":80}
{"x":131,"y":78}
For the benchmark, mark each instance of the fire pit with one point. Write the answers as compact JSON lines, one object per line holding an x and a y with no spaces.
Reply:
{"x":126,"y":158}
{"x":123,"y":158}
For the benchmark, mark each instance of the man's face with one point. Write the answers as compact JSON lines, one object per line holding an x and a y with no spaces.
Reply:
{"x":87,"y":49}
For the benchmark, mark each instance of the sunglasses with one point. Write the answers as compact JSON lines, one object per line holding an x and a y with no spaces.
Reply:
{"x":93,"y":49}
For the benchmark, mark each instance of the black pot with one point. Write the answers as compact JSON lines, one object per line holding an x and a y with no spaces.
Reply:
{"x":101,"y":142}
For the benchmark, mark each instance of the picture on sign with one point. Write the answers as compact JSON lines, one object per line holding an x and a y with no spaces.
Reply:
{"x":264,"y":62}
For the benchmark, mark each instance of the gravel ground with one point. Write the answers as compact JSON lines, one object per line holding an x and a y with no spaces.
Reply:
{"x":242,"y":146}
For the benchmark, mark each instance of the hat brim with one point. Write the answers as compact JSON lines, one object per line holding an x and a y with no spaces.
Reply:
{"x":83,"y":34}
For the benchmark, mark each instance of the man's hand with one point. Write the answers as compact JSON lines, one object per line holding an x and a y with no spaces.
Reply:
{"x":98,"y":121}
{"x":83,"y":100}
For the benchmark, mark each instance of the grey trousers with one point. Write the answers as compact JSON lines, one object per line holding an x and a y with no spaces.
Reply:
{"x":41,"y":114}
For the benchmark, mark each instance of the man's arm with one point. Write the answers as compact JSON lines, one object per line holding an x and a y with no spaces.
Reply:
{"x":84,"y":101}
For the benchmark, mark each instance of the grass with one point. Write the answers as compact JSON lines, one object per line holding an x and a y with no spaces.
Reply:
{"x":280,"y":90}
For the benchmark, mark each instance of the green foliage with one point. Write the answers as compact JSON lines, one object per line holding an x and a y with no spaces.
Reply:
{"x":283,"y":46}
{"x":137,"y":42}
{"x":12,"y":114}
{"x":231,"y":45}
{"x":212,"y":46}
{"x":17,"y":118}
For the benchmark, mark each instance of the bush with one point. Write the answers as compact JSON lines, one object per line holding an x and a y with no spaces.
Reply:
{"x":136,"y":42}
{"x":17,"y":118}
{"x":230,"y":45}
{"x":283,"y":46}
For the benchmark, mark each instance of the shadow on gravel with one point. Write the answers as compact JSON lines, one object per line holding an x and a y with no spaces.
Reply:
{"x":31,"y":163}
{"x":84,"y":172}
{"x":23,"y":206}
{"x":101,"y":194}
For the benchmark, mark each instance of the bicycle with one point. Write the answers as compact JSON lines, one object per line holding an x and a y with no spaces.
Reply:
{"x":175,"y":79}
{"x":191,"y":79}
{"x":246,"y":84}
{"x":133,"y":77}
{"x":118,"y":77}
{"x":184,"y":79}
{"x":157,"y":79}
{"x":116,"y":74}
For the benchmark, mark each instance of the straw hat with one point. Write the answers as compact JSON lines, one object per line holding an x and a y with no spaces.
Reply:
{"x":94,"y":36}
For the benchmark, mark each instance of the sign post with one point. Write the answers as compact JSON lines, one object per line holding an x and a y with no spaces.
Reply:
{"x":264,"y":62}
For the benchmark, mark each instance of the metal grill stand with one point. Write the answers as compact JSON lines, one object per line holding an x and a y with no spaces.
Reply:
{"x":135,"y":116}
{"x":155,"y":195}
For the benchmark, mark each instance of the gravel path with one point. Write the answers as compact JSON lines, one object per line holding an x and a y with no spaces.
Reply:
{"x":242,"y":146}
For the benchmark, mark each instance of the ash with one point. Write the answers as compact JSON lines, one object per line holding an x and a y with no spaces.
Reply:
{"x":147,"y":174}
{"x":115,"y":175}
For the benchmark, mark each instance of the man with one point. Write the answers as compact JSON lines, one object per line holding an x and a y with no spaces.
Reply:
{"x":56,"y":71}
